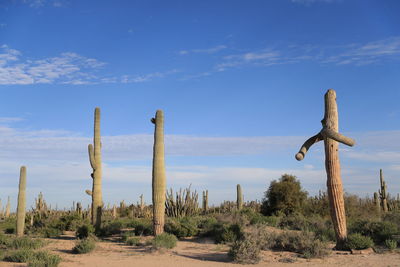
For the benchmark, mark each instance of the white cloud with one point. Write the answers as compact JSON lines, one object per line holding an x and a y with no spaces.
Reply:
{"x":5,"y":120}
{"x":211,"y":50}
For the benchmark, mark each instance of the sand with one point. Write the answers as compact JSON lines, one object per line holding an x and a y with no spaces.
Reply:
{"x":196,"y":252}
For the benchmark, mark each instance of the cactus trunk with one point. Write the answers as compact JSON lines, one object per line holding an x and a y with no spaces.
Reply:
{"x":205,"y":201}
{"x":21,"y":202}
{"x":239,"y":197}
{"x":95,"y":162}
{"x":8,"y":208}
{"x":382,"y":192}
{"x":159,"y":177}
{"x":332,"y":165}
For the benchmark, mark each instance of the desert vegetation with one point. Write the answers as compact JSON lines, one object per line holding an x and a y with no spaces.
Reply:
{"x":287,"y":219}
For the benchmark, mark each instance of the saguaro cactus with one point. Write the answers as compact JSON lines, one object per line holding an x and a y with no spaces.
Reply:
{"x":239,"y":197}
{"x":377,"y":202}
{"x":382,"y":192}
{"x":331,"y":137}
{"x":205,"y":201}
{"x":159,"y":178}
{"x":21,"y":202}
{"x":8,"y":207}
{"x":95,"y":162}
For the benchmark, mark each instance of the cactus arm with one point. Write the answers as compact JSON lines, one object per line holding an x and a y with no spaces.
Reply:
{"x":307,"y":144}
{"x":328,"y":133}
{"x":89,"y":192}
{"x":91,"y":156}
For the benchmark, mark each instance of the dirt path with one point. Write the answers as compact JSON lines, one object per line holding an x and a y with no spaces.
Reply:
{"x":196,"y":252}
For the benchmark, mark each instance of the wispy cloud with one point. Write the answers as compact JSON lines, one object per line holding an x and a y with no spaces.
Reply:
{"x":368,"y":53}
{"x":211,"y":50}
{"x":42,"y":3}
{"x":5,"y":120}
{"x":67,"y":68}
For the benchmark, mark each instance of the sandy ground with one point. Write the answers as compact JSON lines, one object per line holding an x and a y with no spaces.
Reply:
{"x":196,"y":252}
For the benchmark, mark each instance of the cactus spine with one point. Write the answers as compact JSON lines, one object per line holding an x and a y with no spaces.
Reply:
{"x":21,"y":202}
{"x":95,"y":162}
{"x":382,"y":192}
{"x":239,"y":197}
{"x":159,"y":177}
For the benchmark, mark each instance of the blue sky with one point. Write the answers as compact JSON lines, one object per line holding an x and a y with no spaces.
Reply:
{"x":241,"y":84}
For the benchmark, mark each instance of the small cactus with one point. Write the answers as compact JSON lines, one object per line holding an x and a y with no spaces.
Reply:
{"x":21,"y":202}
{"x":239,"y":197}
{"x":376,"y":202}
{"x":159,"y":177}
{"x":205,"y":201}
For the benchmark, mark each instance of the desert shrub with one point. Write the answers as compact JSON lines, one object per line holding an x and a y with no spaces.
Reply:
{"x":358,"y":241}
{"x":245,"y":251}
{"x":8,"y":225}
{"x":133,"y":241}
{"x":393,"y":217}
{"x":84,"y":246}
{"x":226,"y":233}
{"x":39,"y":258}
{"x":206,"y":225}
{"x":70,"y":222}
{"x":21,"y":255}
{"x":49,"y":232}
{"x":111,"y":228}
{"x":164,"y":240}
{"x":125,"y":236}
{"x":285,"y":195}
{"x":391,"y":244}
{"x":294,"y":221}
{"x":303,"y":243}
{"x":84,"y":231}
{"x":184,"y":227}
{"x":379,"y":231}
{"x":5,"y":240}
{"x":267,"y":220}
{"x":44,"y":259}
{"x":144,"y":228}
{"x":25,"y":243}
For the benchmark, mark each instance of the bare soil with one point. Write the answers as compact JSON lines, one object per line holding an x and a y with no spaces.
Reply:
{"x":196,"y":252}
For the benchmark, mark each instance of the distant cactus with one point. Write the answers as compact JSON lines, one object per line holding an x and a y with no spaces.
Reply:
{"x":159,"y":177}
{"x":205,"y":201}
{"x":79,"y":208}
{"x":21,"y":202}
{"x":8,"y":208}
{"x":382,"y":192}
{"x":376,"y":202}
{"x":184,"y":203}
{"x":95,"y":162}
{"x":239,"y":197}
{"x":114,"y":212}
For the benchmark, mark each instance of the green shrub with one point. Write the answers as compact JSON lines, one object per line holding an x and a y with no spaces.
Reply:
{"x":285,"y":195}
{"x":10,"y":230}
{"x":391,"y":244}
{"x":144,"y":229}
{"x":164,"y":240}
{"x":303,"y":243}
{"x":5,"y":240}
{"x":358,"y":241}
{"x":184,"y":227}
{"x":378,"y":231}
{"x":84,"y":231}
{"x":84,"y":246}
{"x":133,"y":241}
{"x":49,"y":232}
{"x":294,"y":221}
{"x":225,"y":233}
{"x":25,"y":243}
{"x":206,"y":225}
{"x":111,"y":228}
{"x":125,"y":236}
{"x":44,"y":259}
{"x":22,"y":255}
{"x":245,"y":250}
{"x":267,"y":220}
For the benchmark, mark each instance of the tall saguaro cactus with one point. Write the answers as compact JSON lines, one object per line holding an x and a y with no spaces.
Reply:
{"x":21,"y":202}
{"x":95,"y":162}
{"x":331,"y":136}
{"x":159,"y":177}
{"x":382,"y":192}
{"x":239,"y":197}
{"x":205,"y":201}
